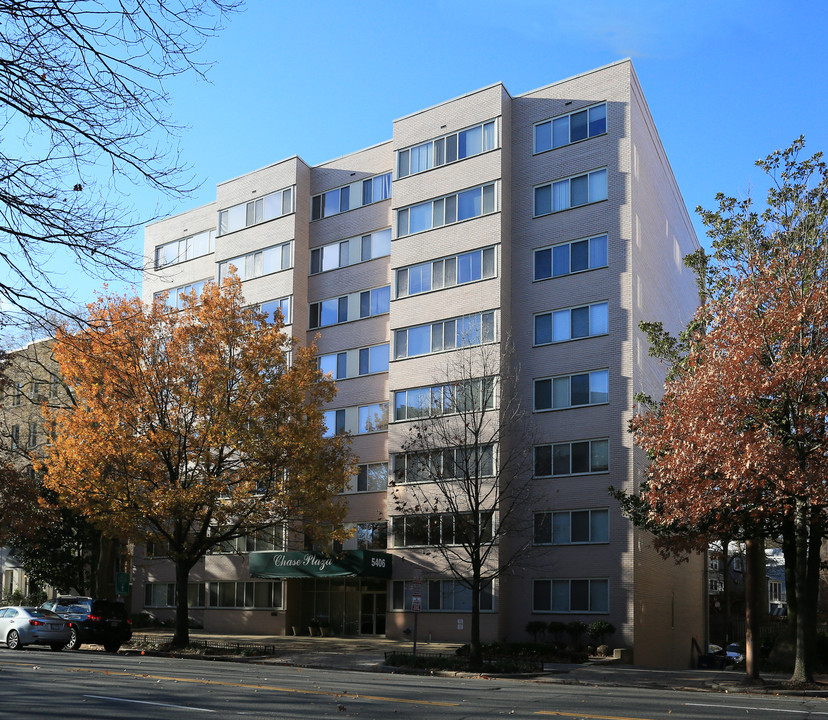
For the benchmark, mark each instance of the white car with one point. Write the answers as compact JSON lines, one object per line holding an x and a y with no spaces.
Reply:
{"x":21,"y":626}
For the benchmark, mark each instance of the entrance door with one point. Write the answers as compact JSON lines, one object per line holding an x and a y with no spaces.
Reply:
{"x":372,"y":616}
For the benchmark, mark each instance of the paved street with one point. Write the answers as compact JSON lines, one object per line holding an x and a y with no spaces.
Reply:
{"x":88,"y":685}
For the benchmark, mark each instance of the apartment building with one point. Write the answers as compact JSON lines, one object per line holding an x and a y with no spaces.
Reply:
{"x":550,"y":221}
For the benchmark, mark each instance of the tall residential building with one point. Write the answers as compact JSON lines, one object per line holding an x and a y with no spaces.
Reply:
{"x":549,"y":219}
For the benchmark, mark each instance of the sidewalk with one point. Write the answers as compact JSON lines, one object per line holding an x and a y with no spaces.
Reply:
{"x":368,"y":654}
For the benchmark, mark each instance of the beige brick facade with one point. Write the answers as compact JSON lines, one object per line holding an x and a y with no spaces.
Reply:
{"x":656,"y":607}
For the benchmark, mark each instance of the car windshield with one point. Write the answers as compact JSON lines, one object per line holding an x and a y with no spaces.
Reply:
{"x":40,"y":612}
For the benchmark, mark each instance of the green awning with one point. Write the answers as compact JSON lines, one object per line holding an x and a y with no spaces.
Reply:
{"x":302,"y":564}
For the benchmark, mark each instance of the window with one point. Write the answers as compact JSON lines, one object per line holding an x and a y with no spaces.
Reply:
{"x":372,"y":536}
{"x":469,"y":396}
{"x":441,"y":529}
{"x":446,"y":210}
{"x":328,"y":312}
{"x":269,"y":538}
{"x":373,"y":418}
{"x":446,"y":272}
{"x":256,"y":264}
{"x":568,"y":391}
{"x":444,"y":335}
{"x":571,"y":527}
{"x":571,"y":128}
{"x":261,"y":594}
{"x":371,"y":477}
{"x":716,"y":585}
{"x":375,"y":302}
{"x":349,"y":197}
{"x":374,"y":359}
{"x":15,"y":437}
{"x":187,"y":248}
{"x":575,"y":458}
{"x":17,"y":394}
{"x":447,"y":149}
{"x":334,"y":364}
{"x":54,"y":385}
{"x":463,"y":462}
{"x":174,"y":296}
{"x":350,"y":251}
{"x":571,"y":324}
{"x":776,"y":594}
{"x":571,"y":596}
{"x":571,"y":192}
{"x":283,"y":305}
{"x":250,"y":213}
{"x":163,"y":595}
{"x":571,"y":257}
{"x":334,"y":422}
{"x":32,"y":435}
{"x":446,"y":595}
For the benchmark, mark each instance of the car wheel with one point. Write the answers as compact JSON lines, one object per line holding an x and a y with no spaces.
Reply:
{"x":57,"y":647}
{"x":112,"y":647}
{"x":74,"y":640}
{"x":13,"y":641}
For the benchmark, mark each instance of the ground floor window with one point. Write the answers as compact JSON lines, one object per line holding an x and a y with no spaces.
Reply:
{"x":450,"y":595}
{"x":581,"y":595}
{"x":160,"y":595}
{"x":261,"y":594}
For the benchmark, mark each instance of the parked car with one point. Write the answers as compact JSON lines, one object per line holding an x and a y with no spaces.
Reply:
{"x":21,"y":626}
{"x":104,"y":622}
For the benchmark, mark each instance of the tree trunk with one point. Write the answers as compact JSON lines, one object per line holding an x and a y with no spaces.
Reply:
{"x":726,"y":590}
{"x":475,"y":649}
{"x":815,"y":538}
{"x":753,"y":558}
{"x":182,"y":611}
{"x":802,"y":672}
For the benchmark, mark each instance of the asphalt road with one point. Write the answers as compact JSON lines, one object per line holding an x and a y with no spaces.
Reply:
{"x":39,"y":684}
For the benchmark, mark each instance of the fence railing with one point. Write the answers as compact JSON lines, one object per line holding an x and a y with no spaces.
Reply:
{"x":207,"y":645}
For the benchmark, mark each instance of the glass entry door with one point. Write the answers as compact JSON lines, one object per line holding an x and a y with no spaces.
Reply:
{"x":372,"y":616}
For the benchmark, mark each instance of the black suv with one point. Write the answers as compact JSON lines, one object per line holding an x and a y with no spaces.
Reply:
{"x":104,"y":622}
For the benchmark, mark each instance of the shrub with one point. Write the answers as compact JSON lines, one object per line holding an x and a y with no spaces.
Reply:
{"x":575,"y":630}
{"x":557,"y":629}
{"x":599,"y":630}
{"x":603,"y":650}
{"x":535,"y":628}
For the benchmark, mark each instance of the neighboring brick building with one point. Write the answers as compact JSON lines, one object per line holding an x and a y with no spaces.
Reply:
{"x":551,"y":218}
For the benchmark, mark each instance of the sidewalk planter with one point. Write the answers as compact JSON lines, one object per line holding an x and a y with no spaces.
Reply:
{"x":324,"y":629}
{"x":313,"y":627}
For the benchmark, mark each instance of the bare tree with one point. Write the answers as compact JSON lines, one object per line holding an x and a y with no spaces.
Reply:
{"x":464,"y":470}
{"x":83,"y":112}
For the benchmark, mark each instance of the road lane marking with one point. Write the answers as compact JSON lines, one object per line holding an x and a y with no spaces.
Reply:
{"x":146,"y":702}
{"x":762,"y":709}
{"x":275,"y":688}
{"x":586,"y":716}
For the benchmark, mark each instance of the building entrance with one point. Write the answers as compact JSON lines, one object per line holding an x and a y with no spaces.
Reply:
{"x":372,"y":615}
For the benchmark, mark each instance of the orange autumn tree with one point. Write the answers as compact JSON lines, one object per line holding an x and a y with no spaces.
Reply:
{"x":739,"y":439}
{"x":193,"y":427}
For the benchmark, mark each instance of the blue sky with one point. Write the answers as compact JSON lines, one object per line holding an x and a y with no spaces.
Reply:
{"x":727,"y":82}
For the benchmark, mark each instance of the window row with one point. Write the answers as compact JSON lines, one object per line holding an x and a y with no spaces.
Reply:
{"x":571,"y":324}
{"x":572,"y":458}
{"x":350,"y":251}
{"x":37,"y":390}
{"x":271,"y":538}
{"x":245,"y":214}
{"x":444,"y":335}
{"x":257,"y":594}
{"x":566,"y":391}
{"x":449,"y":595}
{"x":441,"y":529}
{"x":255,"y":264}
{"x":571,"y":257}
{"x":571,"y":527}
{"x":175,"y":296}
{"x":350,"y":197}
{"x":571,"y":192}
{"x":353,"y":363}
{"x":350,"y":307}
{"x":357,"y":420}
{"x":447,"y":149}
{"x":469,"y":396}
{"x":462,"y":462}
{"x":571,"y":128}
{"x":446,"y":210}
{"x":187,"y":248}
{"x":446,"y":272}
{"x":370,"y":477}
{"x":32,"y":437}
{"x":582,"y":595}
